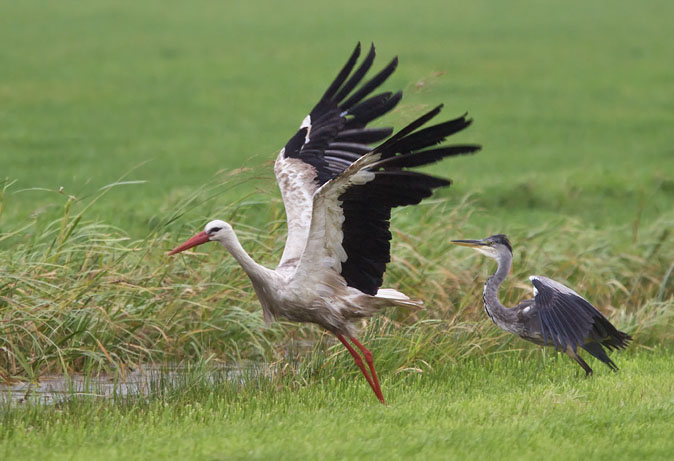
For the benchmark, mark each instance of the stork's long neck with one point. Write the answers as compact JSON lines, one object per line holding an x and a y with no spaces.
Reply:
{"x":501,"y":315}
{"x":255,"y":271}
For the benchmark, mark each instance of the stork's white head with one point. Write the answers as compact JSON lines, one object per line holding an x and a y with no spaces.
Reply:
{"x":215,"y":230}
{"x":218,"y":230}
{"x":495,"y":247}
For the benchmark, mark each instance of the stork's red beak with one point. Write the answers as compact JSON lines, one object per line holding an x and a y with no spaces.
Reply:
{"x":200,"y":238}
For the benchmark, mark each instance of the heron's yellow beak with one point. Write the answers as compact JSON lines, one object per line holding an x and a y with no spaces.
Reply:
{"x":468,"y":243}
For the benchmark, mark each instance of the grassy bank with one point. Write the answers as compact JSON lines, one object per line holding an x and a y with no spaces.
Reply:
{"x":81,"y":296}
{"x":155,"y":118}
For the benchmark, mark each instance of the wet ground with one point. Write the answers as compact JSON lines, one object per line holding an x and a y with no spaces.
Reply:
{"x":51,"y":389}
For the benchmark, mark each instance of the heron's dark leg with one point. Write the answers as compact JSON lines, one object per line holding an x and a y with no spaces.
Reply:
{"x":359,"y":361}
{"x":581,"y":362}
{"x":368,"y":358}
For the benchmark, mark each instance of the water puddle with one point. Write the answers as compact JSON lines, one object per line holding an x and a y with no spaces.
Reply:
{"x":51,"y":389}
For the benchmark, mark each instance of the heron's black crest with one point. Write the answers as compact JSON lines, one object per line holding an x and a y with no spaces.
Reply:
{"x":502,"y":239}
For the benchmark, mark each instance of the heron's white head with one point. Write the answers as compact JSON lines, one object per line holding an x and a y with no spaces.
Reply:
{"x":214,"y":230}
{"x":495,"y":247}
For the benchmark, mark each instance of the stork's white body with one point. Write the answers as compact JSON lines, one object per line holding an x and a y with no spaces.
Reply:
{"x":307,"y":286}
{"x":338,"y":193}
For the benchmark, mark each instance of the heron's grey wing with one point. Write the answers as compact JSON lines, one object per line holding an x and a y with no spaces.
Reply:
{"x":349,"y":231}
{"x":527,"y":319}
{"x":331,"y":138}
{"x":569,"y":320}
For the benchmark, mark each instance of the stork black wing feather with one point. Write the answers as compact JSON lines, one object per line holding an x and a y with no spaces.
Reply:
{"x":372,"y":108}
{"x":393,"y":140}
{"x":428,"y":156}
{"x":367,"y":207}
{"x":372,"y":85}
{"x":357,"y":76}
{"x":364,"y":135}
{"x":341,"y":76}
{"x":340,"y":118}
{"x":353,"y":147}
{"x":431,"y":136}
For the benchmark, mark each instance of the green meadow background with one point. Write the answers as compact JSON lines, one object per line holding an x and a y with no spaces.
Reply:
{"x":572,"y":101}
{"x":125,"y":126}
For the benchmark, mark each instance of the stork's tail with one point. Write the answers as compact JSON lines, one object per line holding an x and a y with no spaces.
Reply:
{"x":396,"y":298}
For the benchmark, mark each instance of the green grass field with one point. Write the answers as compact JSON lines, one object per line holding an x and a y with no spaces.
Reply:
{"x":183,"y":106}
{"x":503,"y":408}
{"x":571,"y":102}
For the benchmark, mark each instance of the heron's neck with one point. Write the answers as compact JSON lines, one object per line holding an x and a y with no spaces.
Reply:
{"x":255,"y":271}
{"x":501,"y":315}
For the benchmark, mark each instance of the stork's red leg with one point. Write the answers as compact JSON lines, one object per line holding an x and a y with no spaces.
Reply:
{"x":368,"y":357}
{"x":359,"y":361}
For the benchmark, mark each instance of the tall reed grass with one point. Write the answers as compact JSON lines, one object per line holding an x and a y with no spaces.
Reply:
{"x":81,"y":296}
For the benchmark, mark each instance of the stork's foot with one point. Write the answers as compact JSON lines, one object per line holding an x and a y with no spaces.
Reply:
{"x":374,"y":383}
{"x":370,"y":362}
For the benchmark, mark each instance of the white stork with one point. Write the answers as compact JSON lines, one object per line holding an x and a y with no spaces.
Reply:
{"x":338,"y":193}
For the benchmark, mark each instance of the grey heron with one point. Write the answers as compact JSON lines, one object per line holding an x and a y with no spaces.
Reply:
{"x":338,"y":193}
{"x":557,"y":316}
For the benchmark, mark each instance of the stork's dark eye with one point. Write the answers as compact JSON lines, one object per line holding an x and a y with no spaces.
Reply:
{"x":213,"y":230}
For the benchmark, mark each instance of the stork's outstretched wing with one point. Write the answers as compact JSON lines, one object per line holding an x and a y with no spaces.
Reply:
{"x":349,"y":232}
{"x":569,"y":320}
{"x":330,"y":138}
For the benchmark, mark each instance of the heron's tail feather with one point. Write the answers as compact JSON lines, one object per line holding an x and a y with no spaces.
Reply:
{"x":611,"y":337}
{"x":619,"y":340}
{"x":598,"y":352}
